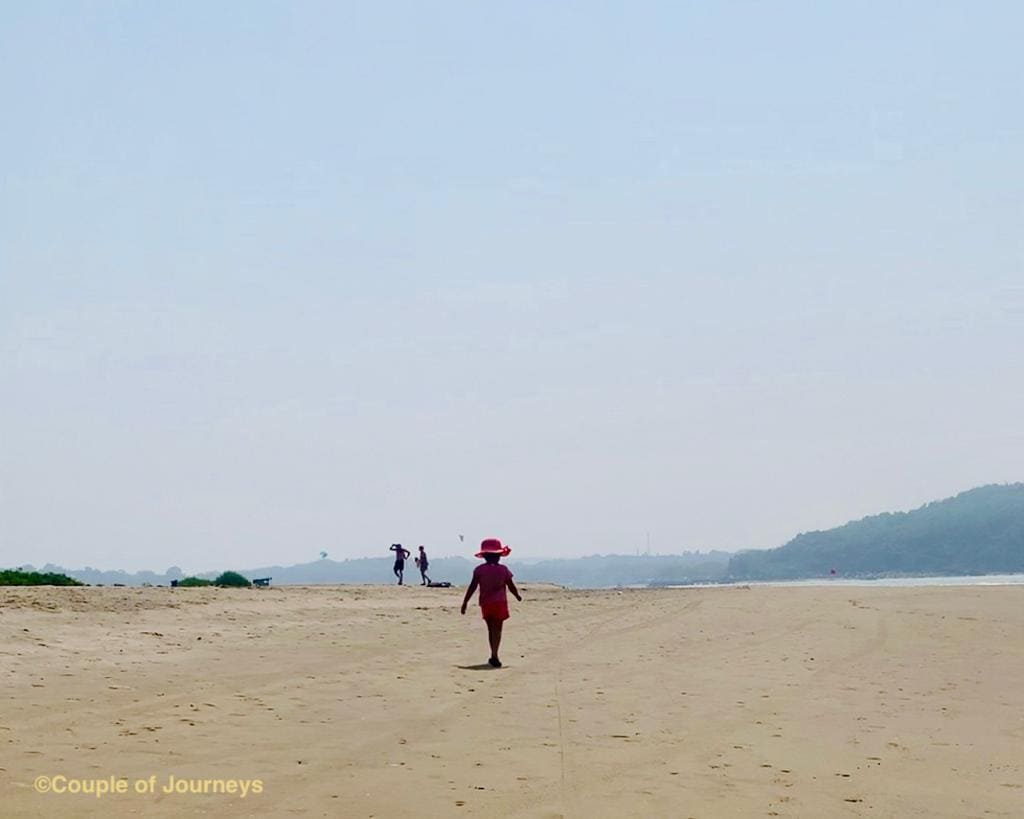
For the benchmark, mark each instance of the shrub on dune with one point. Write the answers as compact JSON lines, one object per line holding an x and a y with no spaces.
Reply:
{"x":232,"y":579}
{"x":194,"y":581}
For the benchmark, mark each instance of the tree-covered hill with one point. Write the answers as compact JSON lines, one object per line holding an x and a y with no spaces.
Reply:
{"x":980,"y":531}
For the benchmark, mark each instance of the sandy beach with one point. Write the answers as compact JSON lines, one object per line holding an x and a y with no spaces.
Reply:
{"x":360,"y":701}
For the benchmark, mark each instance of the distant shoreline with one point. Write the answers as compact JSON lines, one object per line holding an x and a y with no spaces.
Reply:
{"x":908,"y":581}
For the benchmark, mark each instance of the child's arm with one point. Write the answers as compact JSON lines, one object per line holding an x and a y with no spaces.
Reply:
{"x":515,"y":592}
{"x":469,"y":593}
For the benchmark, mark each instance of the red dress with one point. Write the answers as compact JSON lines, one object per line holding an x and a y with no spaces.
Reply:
{"x":493,"y":578}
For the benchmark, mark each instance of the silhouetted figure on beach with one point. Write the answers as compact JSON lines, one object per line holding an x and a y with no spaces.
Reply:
{"x":492,"y":579}
{"x":423,"y":564}
{"x":401,"y":555}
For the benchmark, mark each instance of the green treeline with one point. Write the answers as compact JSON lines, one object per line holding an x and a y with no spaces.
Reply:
{"x":17,"y":577}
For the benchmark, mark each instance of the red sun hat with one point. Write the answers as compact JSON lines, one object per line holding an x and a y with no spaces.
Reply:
{"x":492,"y":546}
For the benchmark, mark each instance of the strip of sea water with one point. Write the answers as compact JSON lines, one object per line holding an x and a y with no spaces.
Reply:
{"x":964,"y":580}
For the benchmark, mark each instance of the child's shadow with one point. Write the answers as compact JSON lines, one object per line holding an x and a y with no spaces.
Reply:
{"x":479,"y":667}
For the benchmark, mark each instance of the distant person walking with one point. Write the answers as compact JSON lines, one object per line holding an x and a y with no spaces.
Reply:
{"x":401,"y":555}
{"x":492,"y":579}
{"x":423,"y":564}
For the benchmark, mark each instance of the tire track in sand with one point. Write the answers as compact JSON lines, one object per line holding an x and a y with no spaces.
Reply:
{"x":567,"y":783}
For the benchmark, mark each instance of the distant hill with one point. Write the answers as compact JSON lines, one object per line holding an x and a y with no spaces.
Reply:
{"x":358,"y":570}
{"x":601,"y":571}
{"x":585,"y":572}
{"x":980,"y":531}
{"x":102,"y":577}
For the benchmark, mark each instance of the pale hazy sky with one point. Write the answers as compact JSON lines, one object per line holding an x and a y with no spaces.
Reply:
{"x":283,"y":277}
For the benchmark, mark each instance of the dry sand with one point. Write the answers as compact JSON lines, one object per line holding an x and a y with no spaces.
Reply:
{"x":356,"y":701}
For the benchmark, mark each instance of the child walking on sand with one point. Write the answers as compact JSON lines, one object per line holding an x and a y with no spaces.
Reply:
{"x":492,"y":579}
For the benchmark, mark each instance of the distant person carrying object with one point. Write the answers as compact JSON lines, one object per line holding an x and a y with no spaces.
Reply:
{"x":423,"y":564}
{"x":401,"y":555}
{"x":492,"y":578}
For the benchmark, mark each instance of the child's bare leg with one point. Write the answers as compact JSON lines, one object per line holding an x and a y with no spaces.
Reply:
{"x":494,"y":637}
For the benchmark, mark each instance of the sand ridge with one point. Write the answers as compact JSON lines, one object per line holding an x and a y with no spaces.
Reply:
{"x":374,"y":701}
